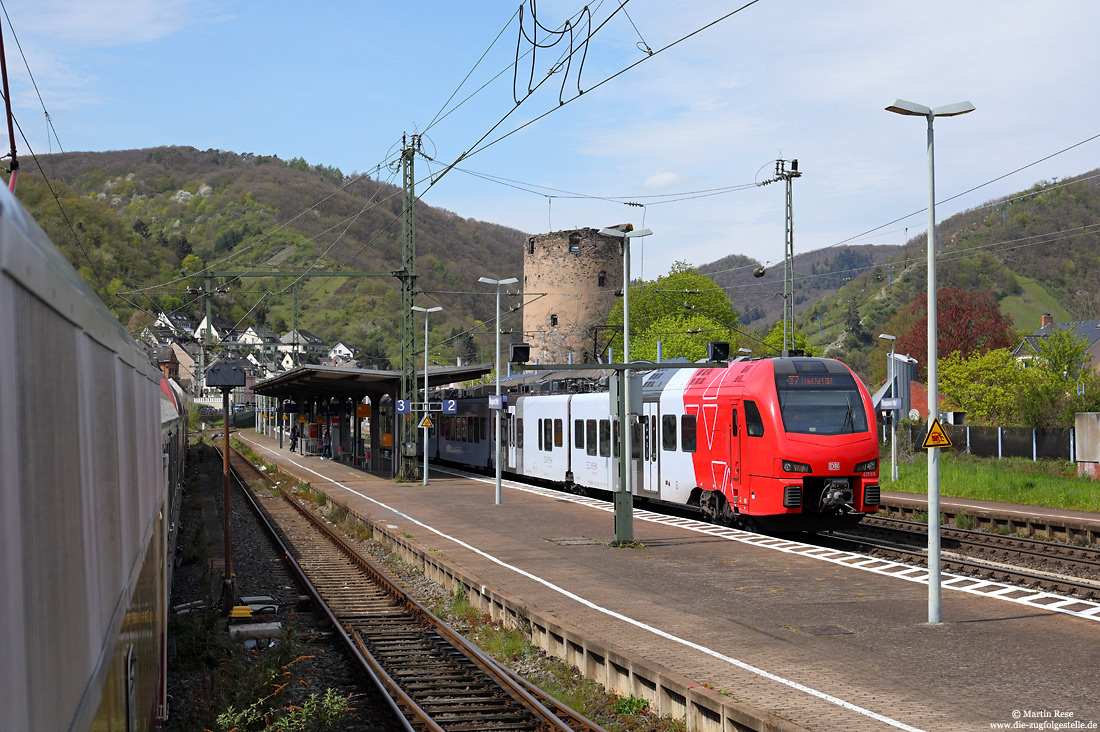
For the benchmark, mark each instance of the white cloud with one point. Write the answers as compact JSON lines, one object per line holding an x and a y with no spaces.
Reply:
{"x":662,"y":179}
{"x":107,"y":22}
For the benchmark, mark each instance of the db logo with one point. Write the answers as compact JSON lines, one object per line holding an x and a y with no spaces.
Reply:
{"x":834,"y":466}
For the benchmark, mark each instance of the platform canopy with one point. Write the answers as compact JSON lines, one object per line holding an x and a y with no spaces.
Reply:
{"x":325,"y":382}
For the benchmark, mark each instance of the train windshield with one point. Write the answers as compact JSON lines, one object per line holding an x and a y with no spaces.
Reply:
{"x":820,"y":404}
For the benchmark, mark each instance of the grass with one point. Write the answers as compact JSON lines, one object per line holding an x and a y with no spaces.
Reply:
{"x":510,"y":646}
{"x":1048,"y":483}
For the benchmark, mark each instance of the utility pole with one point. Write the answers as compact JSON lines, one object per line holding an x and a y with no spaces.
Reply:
{"x":406,"y":446}
{"x":782,"y":173}
{"x":204,"y":342}
{"x":297,"y":336}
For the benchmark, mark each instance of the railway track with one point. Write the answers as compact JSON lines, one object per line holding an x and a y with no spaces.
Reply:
{"x":436,"y":679}
{"x":1050,"y":566}
{"x":1033,"y":563}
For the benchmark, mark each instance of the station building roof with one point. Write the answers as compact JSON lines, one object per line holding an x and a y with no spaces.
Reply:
{"x":325,"y":382}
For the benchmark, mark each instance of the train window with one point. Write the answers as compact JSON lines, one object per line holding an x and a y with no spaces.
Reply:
{"x":754,"y":425}
{"x":540,"y":434}
{"x":653,"y":438}
{"x":519,"y":433}
{"x":590,"y":437}
{"x":605,"y":437}
{"x":733,"y":423}
{"x":578,"y":434}
{"x":464,"y":429}
{"x":687,"y":433}
{"x":637,"y":439}
{"x":668,"y":432}
{"x":484,"y":428}
{"x":820,"y":403}
{"x":558,"y":430}
{"x":548,"y":434}
{"x":615,"y":439}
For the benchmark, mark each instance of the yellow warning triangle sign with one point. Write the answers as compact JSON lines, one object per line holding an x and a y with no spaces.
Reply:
{"x":426,"y":423}
{"x":936,"y":437}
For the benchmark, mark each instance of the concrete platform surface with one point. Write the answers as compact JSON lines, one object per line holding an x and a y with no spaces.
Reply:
{"x":821,"y":644}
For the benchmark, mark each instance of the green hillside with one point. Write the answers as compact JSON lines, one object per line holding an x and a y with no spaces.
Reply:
{"x":133,"y":221}
{"x":136,"y":222}
{"x":1037,"y":252}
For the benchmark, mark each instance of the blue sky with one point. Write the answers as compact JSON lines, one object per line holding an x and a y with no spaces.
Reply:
{"x":339,"y":82}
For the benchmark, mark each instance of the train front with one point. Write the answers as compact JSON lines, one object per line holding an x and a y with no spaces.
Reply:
{"x":825,"y":464}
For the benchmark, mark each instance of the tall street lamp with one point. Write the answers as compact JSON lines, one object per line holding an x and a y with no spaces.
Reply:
{"x":496,"y":458}
{"x":624,"y":428}
{"x":901,"y":106}
{"x":426,"y":311}
{"x":893,"y":374}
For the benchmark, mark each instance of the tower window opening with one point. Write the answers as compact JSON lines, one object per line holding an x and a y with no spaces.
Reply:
{"x":601,"y":279}
{"x":554,"y":320}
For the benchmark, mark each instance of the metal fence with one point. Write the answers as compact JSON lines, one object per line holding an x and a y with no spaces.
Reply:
{"x":1001,"y":442}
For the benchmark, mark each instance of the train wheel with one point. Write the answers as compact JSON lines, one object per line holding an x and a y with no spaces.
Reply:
{"x":717,"y":509}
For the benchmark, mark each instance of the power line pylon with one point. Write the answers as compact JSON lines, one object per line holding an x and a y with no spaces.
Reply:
{"x":782,"y":173}
{"x":406,"y":433}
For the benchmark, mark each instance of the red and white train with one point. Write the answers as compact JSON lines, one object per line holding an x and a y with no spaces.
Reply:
{"x":782,"y":443}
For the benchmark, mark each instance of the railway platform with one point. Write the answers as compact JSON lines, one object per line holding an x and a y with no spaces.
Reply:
{"x":807,"y":640}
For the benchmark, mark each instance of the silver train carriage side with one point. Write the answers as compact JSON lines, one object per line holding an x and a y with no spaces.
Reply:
{"x":783,"y":443}
{"x":90,"y":466}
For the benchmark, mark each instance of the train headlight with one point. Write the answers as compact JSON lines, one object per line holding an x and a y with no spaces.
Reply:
{"x":867,"y":467}
{"x":790,"y":466}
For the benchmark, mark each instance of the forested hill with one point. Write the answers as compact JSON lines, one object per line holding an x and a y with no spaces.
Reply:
{"x":818,"y":274}
{"x":129,"y":219}
{"x":132,"y":220}
{"x":1036,"y":252}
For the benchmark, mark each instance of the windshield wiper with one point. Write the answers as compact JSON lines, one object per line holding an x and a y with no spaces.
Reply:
{"x":849,"y":418}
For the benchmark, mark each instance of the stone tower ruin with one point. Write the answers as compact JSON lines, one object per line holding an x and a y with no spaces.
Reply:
{"x":571,"y":280}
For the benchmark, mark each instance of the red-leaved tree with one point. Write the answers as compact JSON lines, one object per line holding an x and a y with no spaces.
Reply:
{"x":967,"y":322}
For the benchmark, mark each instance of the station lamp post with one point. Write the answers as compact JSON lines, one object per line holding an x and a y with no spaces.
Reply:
{"x":901,"y":106}
{"x":426,"y":412}
{"x":500,"y":405}
{"x":626,"y":236}
{"x":893,"y":374}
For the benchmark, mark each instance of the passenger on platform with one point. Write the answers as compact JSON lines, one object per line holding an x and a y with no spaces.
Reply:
{"x":326,"y":449}
{"x":293,"y":437}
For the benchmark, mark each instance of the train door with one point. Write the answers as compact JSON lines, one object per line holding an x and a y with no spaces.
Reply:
{"x":735,"y":451}
{"x":637,"y":445}
{"x":646,"y":478}
{"x":513,"y":439}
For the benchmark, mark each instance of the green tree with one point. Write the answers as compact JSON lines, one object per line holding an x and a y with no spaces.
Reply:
{"x":796,"y":340}
{"x":853,"y":323}
{"x":1058,"y":382}
{"x":1063,"y":352}
{"x":682,"y":310}
{"x":986,"y":386}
